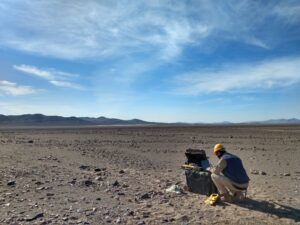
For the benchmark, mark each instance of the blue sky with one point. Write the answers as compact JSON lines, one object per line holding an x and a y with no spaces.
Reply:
{"x":168,"y":61}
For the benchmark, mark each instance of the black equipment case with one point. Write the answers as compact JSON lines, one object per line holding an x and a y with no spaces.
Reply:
{"x":198,"y":179}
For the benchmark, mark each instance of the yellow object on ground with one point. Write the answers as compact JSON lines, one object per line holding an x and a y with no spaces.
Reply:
{"x":212,"y":199}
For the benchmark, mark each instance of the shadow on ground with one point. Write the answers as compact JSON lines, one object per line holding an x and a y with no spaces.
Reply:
{"x":271,"y":208}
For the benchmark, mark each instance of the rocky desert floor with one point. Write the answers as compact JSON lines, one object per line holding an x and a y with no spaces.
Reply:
{"x":119,"y":175}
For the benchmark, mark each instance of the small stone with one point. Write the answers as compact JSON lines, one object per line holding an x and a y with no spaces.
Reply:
{"x":11,"y":183}
{"x":107,"y":218}
{"x":145,"y":196}
{"x":287,"y":174}
{"x":73,"y":181}
{"x":34,"y":216}
{"x":141,"y":223}
{"x":73,"y":218}
{"x":98,"y":178}
{"x":118,"y":220}
{"x":39,"y":183}
{"x":30,"y":141}
{"x":146,"y":214}
{"x":129,"y":213}
{"x":262,"y":173}
{"x":83,"y":167}
{"x":88,"y":183}
{"x":255,"y":172}
{"x":121,"y":171}
{"x":116,"y":184}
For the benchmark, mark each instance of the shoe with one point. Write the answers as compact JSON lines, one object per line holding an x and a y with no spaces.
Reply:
{"x":238,"y":196}
{"x":226,"y":197}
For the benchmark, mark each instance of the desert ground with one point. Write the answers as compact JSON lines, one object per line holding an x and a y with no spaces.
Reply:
{"x":119,"y":175}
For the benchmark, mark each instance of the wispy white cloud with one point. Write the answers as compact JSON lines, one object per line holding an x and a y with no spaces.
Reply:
{"x":101,"y":29}
{"x":290,"y":12}
{"x":65,"y":84}
{"x":256,"y":42}
{"x":34,"y":71}
{"x":13,"y":89}
{"x":241,"y":78}
{"x":55,"y":77}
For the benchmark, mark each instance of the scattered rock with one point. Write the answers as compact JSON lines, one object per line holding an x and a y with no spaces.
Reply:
{"x":125,"y":185}
{"x":255,"y":172}
{"x":11,"y":183}
{"x":262,"y":173}
{"x":121,"y":171}
{"x":30,"y":141}
{"x":129,"y":213}
{"x":88,"y":183}
{"x":83,"y":167}
{"x":146,"y":214}
{"x":39,"y":183}
{"x":34,"y":217}
{"x":287,"y":174}
{"x":145,"y":196}
{"x":50,"y":194}
{"x":73,"y":217}
{"x":98,"y":178}
{"x":116,"y":184}
{"x":73,"y":181}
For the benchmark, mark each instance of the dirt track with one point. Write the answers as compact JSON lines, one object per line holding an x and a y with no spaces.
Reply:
{"x":119,"y":175}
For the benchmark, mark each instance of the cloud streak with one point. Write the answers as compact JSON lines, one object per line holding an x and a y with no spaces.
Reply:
{"x":242,"y":78}
{"x":163,"y":29}
{"x":54,"y":77}
{"x":13,"y":89}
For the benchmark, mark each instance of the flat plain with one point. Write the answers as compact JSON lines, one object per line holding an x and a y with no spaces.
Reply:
{"x":119,"y":175}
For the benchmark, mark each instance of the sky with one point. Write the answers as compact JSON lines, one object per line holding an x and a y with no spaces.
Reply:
{"x":162,"y":61}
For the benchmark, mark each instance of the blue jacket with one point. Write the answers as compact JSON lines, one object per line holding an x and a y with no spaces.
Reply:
{"x":234,"y":170}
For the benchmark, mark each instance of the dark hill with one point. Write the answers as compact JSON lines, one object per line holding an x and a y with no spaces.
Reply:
{"x":40,"y":119}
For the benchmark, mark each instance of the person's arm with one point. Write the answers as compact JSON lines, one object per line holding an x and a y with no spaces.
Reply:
{"x":220,"y":167}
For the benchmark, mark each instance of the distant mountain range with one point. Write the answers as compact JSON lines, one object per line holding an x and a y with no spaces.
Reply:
{"x":39,"y":119}
{"x":279,"y":121}
{"x":42,"y":120}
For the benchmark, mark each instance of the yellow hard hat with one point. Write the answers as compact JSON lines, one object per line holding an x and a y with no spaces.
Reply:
{"x":218,"y":147}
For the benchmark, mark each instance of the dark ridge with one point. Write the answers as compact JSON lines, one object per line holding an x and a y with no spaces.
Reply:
{"x":43,"y":120}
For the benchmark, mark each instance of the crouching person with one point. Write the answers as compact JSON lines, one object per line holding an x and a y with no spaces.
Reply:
{"x":229,"y":176}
